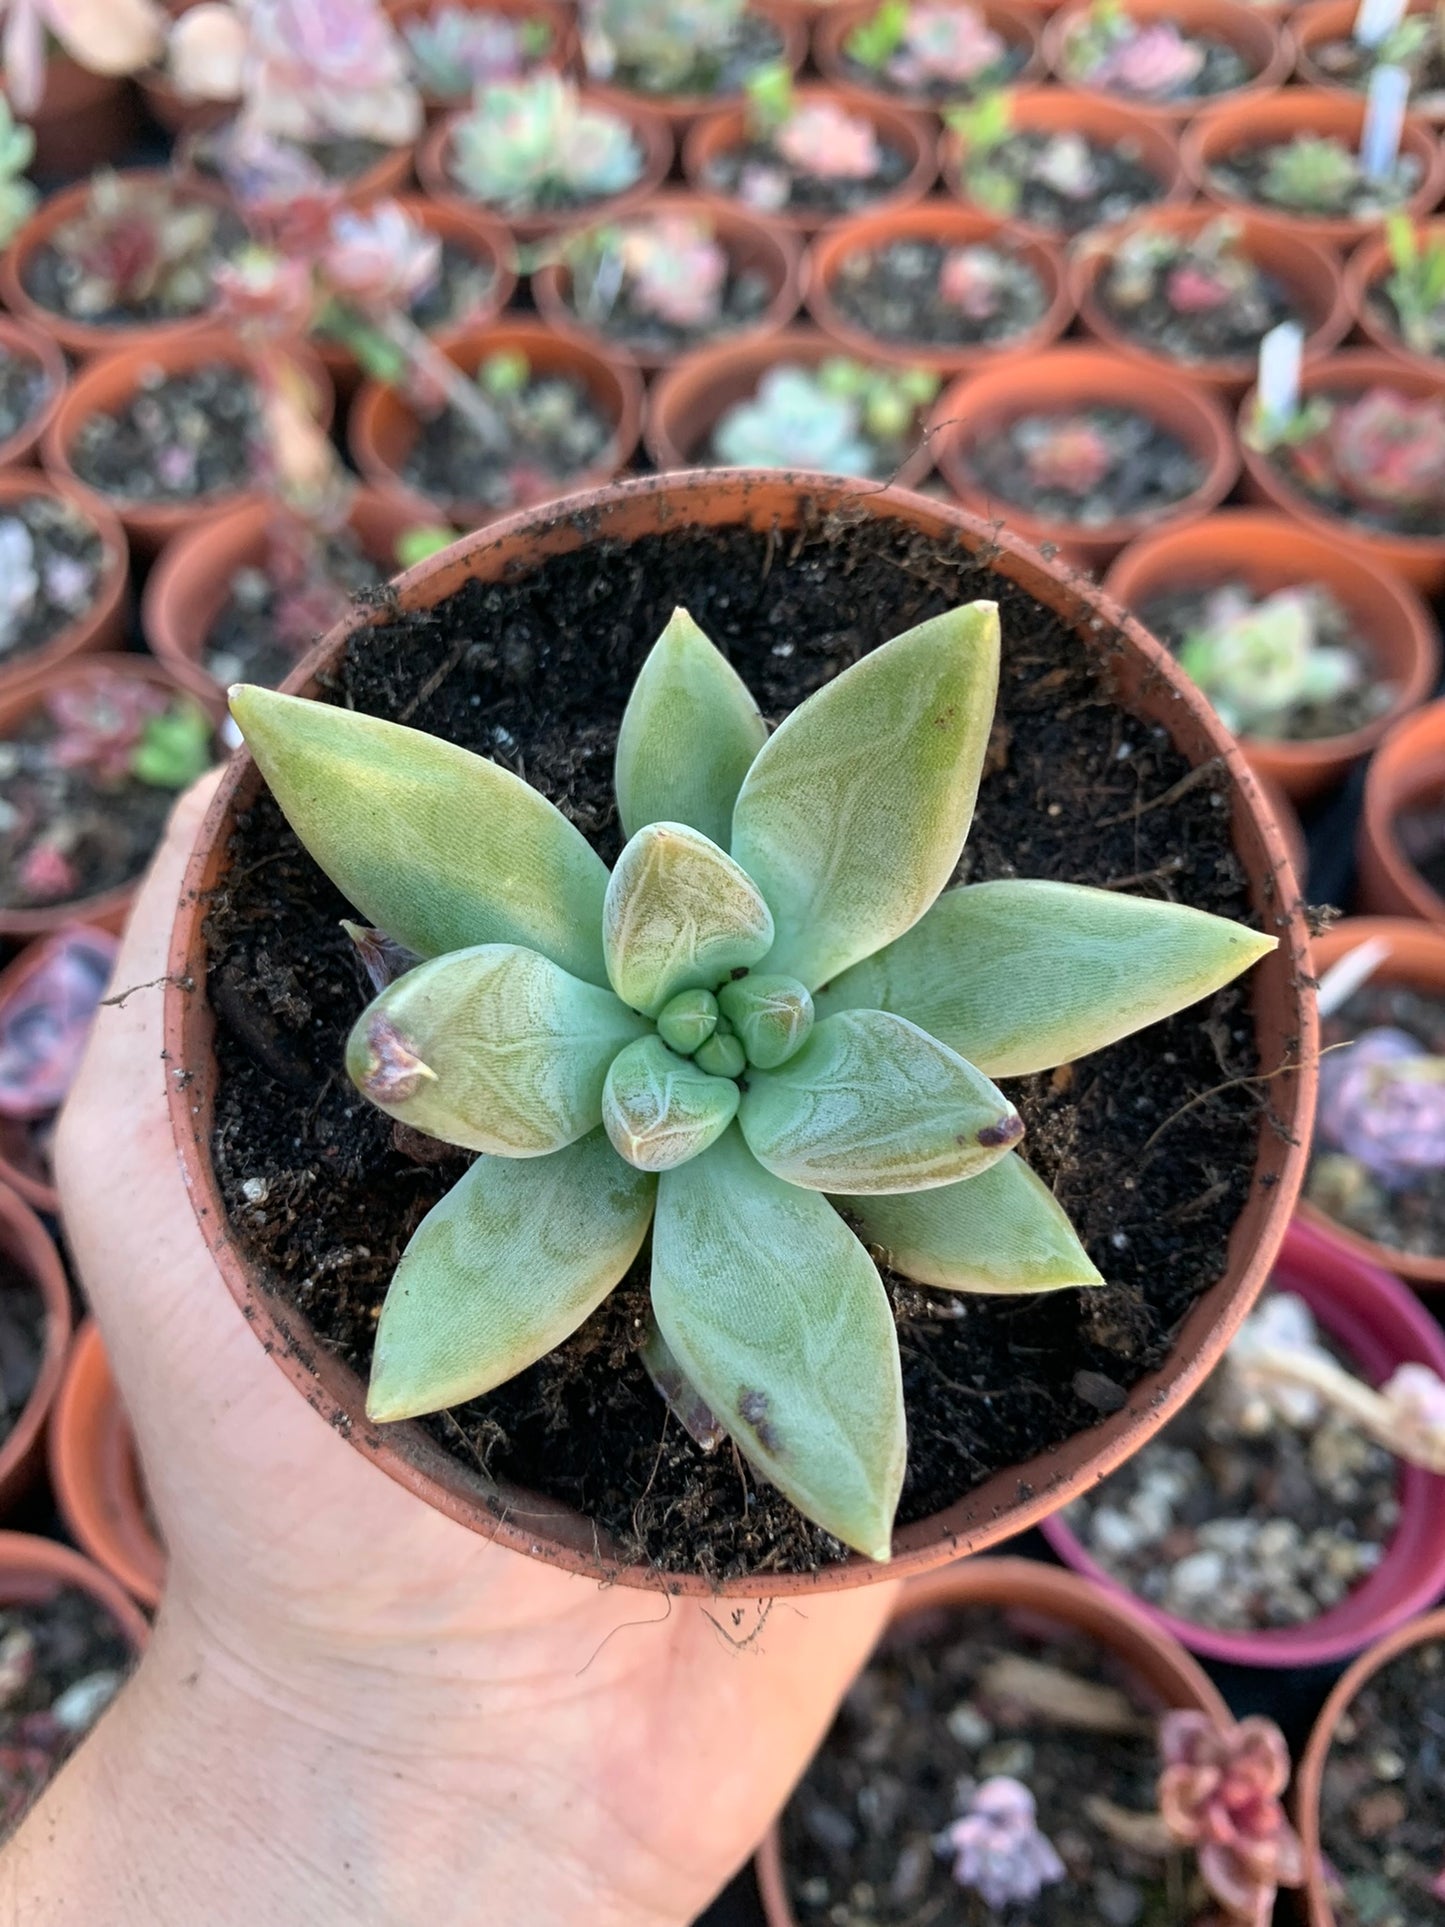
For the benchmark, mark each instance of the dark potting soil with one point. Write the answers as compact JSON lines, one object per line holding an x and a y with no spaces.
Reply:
{"x":462,"y":285}
{"x":1150,"y":469}
{"x":556,"y":433}
{"x":67,"y":558}
{"x":1349,"y":63}
{"x":52,"y":277}
{"x":1382,"y":1799}
{"x":180,"y":438}
{"x":1420,"y":832}
{"x":1224,"y":68}
{"x":22,"y":1342}
{"x":948,"y":1702}
{"x":1242,"y":177}
{"x":756,"y":43}
{"x":1383,"y":311}
{"x":105,"y":835}
{"x":1425,"y":518}
{"x":601,"y":301}
{"x":893,"y":293}
{"x":940,"y":93}
{"x":346,"y":159}
{"x":24,"y":390}
{"x":1115,"y":184}
{"x":245,"y":644}
{"x":61,"y":1663}
{"x":1230,"y":332}
{"x":1149,"y":1144}
{"x":737,"y":172}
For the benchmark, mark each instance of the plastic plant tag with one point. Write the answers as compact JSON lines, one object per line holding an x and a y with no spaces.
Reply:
{"x":1385,"y":106}
{"x":1281,"y":353}
{"x":1377,"y":20}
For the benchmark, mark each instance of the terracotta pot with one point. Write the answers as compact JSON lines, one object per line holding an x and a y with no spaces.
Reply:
{"x":1245,"y":124}
{"x":1038,"y":1593}
{"x":949,"y":227}
{"x":1420,"y":559}
{"x":1309,"y":1782}
{"x":191,"y":582}
{"x":467,"y":230}
{"x":27,"y":1247}
{"x":21,"y":1166}
{"x":1291,"y":830}
{"x":1408,"y":772}
{"x":1309,"y":273}
{"x":1266,"y":553}
{"x":388,"y":175}
{"x":18,"y":339}
{"x":103,"y":624}
{"x":1366,"y":268}
{"x":752,"y":243}
{"x":109,"y":383}
{"x":561,"y":52}
{"x":1258,"y":39}
{"x":680,"y":110}
{"x":433,"y":166}
{"x":1284,"y":1018}
{"x":174,"y":113}
{"x":1058,"y":110}
{"x":383,"y":426}
{"x":1078,"y":377}
{"x":1014,"y":24}
{"x":1322,"y":21}
{"x":908,"y":134}
{"x":83,"y":339}
{"x":84,"y":121}
{"x":33,"y":1570}
{"x":109,"y":908}
{"x":1417,"y":957}
{"x":96,"y":1474}
{"x":1380,"y":1325}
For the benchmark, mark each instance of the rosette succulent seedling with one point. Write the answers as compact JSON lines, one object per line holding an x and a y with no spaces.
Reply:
{"x":837,"y":418}
{"x":456,"y":49}
{"x":1313,"y":172}
{"x":1153,"y":59}
{"x":766,"y":1037}
{"x":17,"y":197}
{"x":670,"y":266}
{"x":662,"y":46}
{"x":1259,"y":661}
{"x":1068,"y":453}
{"x":923,"y":45}
{"x":998,"y":1850}
{"x":1220,"y":1792}
{"x":137,"y":243}
{"x":531,"y":144}
{"x":1382,"y":1102}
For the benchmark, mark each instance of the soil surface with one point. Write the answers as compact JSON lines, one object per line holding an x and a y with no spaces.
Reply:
{"x":1225,"y":68}
{"x":1425,"y":518}
{"x":1243,"y":178}
{"x":555,"y":433}
{"x":22,"y":1341}
{"x":463,"y":283}
{"x":1115,"y":184}
{"x":1149,"y":1144}
{"x":180,"y":438}
{"x":1350,"y":64}
{"x":756,"y":43}
{"x":602,"y":301}
{"x":61,"y":1663}
{"x":1382,"y":1803}
{"x":244,"y":644}
{"x":52,"y":276}
{"x":893,"y":293}
{"x":1150,"y":469}
{"x":23,"y":391}
{"x":758,"y":176}
{"x":940,"y":93}
{"x":1230,"y":332}
{"x":68,"y":559}
{"x":944,"y":1706}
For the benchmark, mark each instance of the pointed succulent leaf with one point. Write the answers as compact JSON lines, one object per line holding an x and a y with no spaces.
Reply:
{"x":775,"y":1314}
{"x":1001,"y":1231}
{"x":872,"y":1104}
{"x":771,"y":1015}
{"x":494,"y":1049}
{"x":512,"y":1260}
{"x":687,"y":1020}
{"x":679,"y":915}
{"x":660,"y":1109}
{"x":436,"y":846}
{"x":682,"y":1399}
{"x":1021,"y":976}
{"x":722,"y":1054}
{"x":853,"y":816}
{"x":689,"y":734}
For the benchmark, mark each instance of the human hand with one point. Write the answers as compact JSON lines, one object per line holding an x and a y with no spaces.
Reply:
{"x":354,"y":1709}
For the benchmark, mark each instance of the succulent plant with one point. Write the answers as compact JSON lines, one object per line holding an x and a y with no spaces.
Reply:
{"x":1065,"y":452}
{"x":998,"y":1850}
{"x":18,"y":198}
{"x":114,"y":727}
{"x":456,"y":49}
{"x":1382,"y":1102}
{"x":1259,"y":661}
{"x":1416,"y":284}
{"x":137,"y":243}
{"x":1313,"y":172}
{"x":532,"y":144}
{"x":661,"y":46}
{"x":972,"y":279}
{"x":926,"y":45}
{"x":670,"y":266}
{"x":794,"y":421}
{"x":1389,"y":448}
{"x":822,"y":139}
{"x":1151,"y":60}
{"x":1195,"y":274}
{"x":44,"y":1025}
{"x":1220,"y":1792}
{"x":112,"y":37}
{"x":19,"y":579}
{"x":765,"y":1004}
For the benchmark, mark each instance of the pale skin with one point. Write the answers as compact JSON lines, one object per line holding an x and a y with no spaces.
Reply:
{"x":353,"y":1710}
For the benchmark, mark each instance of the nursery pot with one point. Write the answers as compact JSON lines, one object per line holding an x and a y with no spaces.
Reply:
{"x":1254,"y":123}
{"x":1259,"y":40}
{"x":753,"y":245}
{"x":1420,"y":559}
{"x":1014,"y":24}
{"x":27,"y":1247}
{"x":383,"y":425}
{"x":1317,"y":24}
{"x":84,"y":120}
{"x":1365,"y":270}
{"x":772,"y":505}
{"x":1038,"y":1593}
{"x":909,"y":134}
{"x":686,"y":403}
{"x":1071,"y":378}
{"x":109,"y":908}
{"x":102,"y":626}
{"x":21,"y":1167}
{"x":1309,"y":272}
{"x":96,"y":1475}
{"x":949,"y":227}
{"x":33,"y":1570}
{"x":110,"y":382}
{"x":1409,"y":771}
{"x":680,"y":110}
{"x":1380,"y":1325}
{"x":16,"y":338}
{"x":1268,"y":552}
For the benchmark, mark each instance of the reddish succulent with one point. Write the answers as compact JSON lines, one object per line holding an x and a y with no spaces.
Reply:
{"x":379,"y":258}
{"x":971,"y":279}
{"x":100,"y":723}
{"x":1220,"y":1792}
{"x":825,"y":140}
{"x":1191,"y":289}
{"x":264,"y":294}
{"x":1073,"y":456}
{"x":1390,"y":447}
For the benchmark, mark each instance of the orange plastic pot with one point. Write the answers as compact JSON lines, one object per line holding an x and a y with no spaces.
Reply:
{"x":1316,"y":25}
{"x":109,"y":908}
{"x":908,"y":134}
{"x":1037,"y":1594}
{"x":1061,"y":380}
{"x":102,"y":626}
{"x":948,"y":227}
{"x":680,"y":110}
{"x":1108,"y":123}
{"x":189,"y":586}
{"x":1417,"y":958}
{"x":1309,"y":272}
{"x":96,"y":1476}
{"x":84,"y":120}
{"x":22,"y":1167}
{"x":753,"y":245}
{"x":561,"y":49}
{"x":687,"y":402}
{"x":17,"y":339}
{"x":1265,"y":122}
{"x":110,"y":382}
{"x":1268,"y":552}
{"x":433,"y":166}
{"x":34,"y":1570}
{"x":1266,"y":50}
{"x":384,"y":427}
{"x":1420,"y":559}
{"x":27,"y":1247}
{"x":1014,"y":24}
{"x":1408,"y":773}
{"x":1365,"y":270}
{"x":1148,"y":685}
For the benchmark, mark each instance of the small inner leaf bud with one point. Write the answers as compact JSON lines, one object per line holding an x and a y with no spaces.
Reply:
{"x":660,"y":1110}
{"x":772,"y":1016}
{"x":687,"y":1021}
{"x":721,"y":1056}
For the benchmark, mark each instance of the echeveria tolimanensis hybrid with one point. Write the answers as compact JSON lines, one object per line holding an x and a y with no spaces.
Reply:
{"x":772,"y":1023}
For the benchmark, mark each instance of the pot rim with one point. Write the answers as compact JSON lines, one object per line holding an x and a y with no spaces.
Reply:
{"x":30,"y":1248}
{"x":94,"y":1467}
{"x":28,"y":1555}
{"x":17,"y":450}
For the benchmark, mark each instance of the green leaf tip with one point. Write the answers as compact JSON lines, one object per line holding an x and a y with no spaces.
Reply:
{"x":687,"y":1020}
{"x":660,"y":1110}
{"x":679,"y":915}
{"x":771,"y":1015}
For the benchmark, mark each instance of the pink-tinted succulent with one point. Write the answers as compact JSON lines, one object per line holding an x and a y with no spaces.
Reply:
{"x":971,"y":279}
{"x":379,"y":257}
{"x":826,"y":141}
{"x":1151,"y":61}
{"x":1073,"y":456}
{"x":945,"y":44}
{"x":265,"y":295}
{"x":287,"y":201}
{"x":1388,"y":447}
{"x":114,"y":37}
{"x":47,"y":874}
{"x":1382,"y":1102}
{"x":43,"y":1029}
{"x":1220,"y":1792}
{"x":675,"y":269}
{"x":1192,"y":289}
{"x":319,"y":68}
{"x":997,"y":1848}
{"x":99,"y":723}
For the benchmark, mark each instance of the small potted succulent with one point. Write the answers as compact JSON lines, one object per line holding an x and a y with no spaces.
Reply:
{"x":35,"y":1307}
{"x":1401,"y":858}
{"x":805,"y":156}
{"x":1331,"y":53}
{"x":925,"y":53}
{"x":1396,"y":286}
{"x":684,"y":56}
{"x":96,"y":1476}
{"x":1166,"y":56}
{"x":32,"y":381}
{"x":64,"y":69}
{"x":455,"y":48}
{"x":48,"y":999}
{"x":63,"y":576}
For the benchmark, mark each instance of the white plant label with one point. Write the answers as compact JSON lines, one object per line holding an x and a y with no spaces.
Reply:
{"x":1377,"y":20}
{"x":1385,"y":106}
{"x":1281,"y":354}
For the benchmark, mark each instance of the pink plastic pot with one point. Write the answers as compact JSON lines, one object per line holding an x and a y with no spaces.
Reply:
{"x":1381,"y":1325}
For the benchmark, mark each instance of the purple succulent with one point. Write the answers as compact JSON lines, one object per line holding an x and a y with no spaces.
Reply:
{"x":997,"y":1848}
{"x":1382,"y":1102}
{"x":44,"y":1025}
